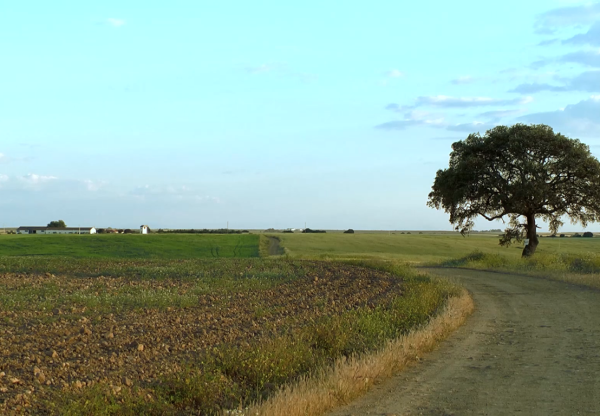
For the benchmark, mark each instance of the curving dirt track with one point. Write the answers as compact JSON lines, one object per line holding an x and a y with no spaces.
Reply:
{"x":532,"y":347}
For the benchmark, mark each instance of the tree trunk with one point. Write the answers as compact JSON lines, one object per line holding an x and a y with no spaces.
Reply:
{"x":532,"y":236}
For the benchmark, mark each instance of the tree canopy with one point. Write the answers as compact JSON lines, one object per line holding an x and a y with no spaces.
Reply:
{"x":57,"y":224}
{"x":519,"y":172}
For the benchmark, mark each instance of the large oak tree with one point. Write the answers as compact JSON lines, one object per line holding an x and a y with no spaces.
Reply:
{"x":521,"y":173}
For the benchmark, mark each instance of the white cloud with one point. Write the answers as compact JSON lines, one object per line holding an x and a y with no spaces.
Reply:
{"x":115,"y":22}
{"x":3,"y":178}
{"x":34,"y":179}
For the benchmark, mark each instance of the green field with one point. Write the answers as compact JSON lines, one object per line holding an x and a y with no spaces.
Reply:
{"x":153,"y":246}
{"x":419,"y":248}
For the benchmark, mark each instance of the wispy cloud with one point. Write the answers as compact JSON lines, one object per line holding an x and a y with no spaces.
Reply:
{"x":579,"y":119}
{"x":393,"y":73}
{"x":112,"y":21}
{"x":463,"y":80}
{"x":465,"y":102}
{"x":498,"y":114}
{"x":172,"y":192}
{"x":35,"y":179}
{"x":587,"y":81}
{"x":279,"y":69}
{"x":591,"y":37}
{"x":476,"y":126}
{"x":567,"y":16}
{"x":262,"y":68}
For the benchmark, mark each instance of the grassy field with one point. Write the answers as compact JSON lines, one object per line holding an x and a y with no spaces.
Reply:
{"x":419,"y":248}
{"x":152,"y":246}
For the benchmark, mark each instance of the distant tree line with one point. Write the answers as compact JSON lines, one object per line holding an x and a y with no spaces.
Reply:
{"x":308,"y":231}
{"x":203,"y":231}
{"x":110,"y":230}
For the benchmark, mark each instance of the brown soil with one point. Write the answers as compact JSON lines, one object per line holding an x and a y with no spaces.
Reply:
{"x":45,"y":352}
{"x":532,"y":347}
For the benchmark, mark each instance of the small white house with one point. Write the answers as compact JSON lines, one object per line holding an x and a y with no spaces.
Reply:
{"x":55,"y":230}
{"x":144,"y":229}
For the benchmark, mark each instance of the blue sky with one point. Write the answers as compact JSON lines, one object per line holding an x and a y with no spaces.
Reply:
{"x":269,"y":114}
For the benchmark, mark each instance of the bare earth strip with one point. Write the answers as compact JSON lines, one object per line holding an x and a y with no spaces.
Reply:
{"x":532,"y":347}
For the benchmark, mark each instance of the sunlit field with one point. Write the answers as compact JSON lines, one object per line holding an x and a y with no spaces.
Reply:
{"x":420,"y":248}
{"x":162,"y":246}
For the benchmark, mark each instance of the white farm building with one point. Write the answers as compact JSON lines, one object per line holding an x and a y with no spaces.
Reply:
{"x":55,"y":230}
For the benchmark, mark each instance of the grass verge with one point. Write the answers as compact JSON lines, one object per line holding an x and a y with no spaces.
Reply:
{"x":350,"y":377}
{"x":581,"y":269}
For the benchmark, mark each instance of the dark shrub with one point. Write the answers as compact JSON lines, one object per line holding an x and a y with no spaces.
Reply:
{"x":588,"y":234}
{"x":127,"y":231}
{"x":101,"y":231}
{"x":349,"y":231}
{"x":562,"y":236}
{"x":308,"y":231}
{"x":288,"y":231}
{"x":576,"y":235}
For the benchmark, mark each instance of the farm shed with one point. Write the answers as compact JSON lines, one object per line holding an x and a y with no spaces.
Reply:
{"x":144,"y":229}
{"x":55,"y":230}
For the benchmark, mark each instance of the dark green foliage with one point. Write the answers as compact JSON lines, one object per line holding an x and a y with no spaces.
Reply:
{"x":349,"y":231}
{"x":309,"y":231}
{"x":57,"y":224}
{"x":519,"y":171}
{"x":202,"y":231}
{"x":588,"y":234}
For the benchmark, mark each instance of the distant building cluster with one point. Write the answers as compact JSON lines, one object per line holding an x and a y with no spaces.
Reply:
{"x":56,"y":230}
{"x":76,"y":230}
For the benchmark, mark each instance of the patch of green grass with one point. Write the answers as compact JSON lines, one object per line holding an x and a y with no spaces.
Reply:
{"x":133,"y":246}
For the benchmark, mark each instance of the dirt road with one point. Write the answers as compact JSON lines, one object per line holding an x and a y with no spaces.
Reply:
{"x":532,"y":347}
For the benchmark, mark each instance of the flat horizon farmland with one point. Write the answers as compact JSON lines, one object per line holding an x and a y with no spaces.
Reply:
{"x":157,"y":246}
{"x":420,"y":248}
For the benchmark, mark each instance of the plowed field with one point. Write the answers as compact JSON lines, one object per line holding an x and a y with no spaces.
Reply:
{"x":64,"y":334}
